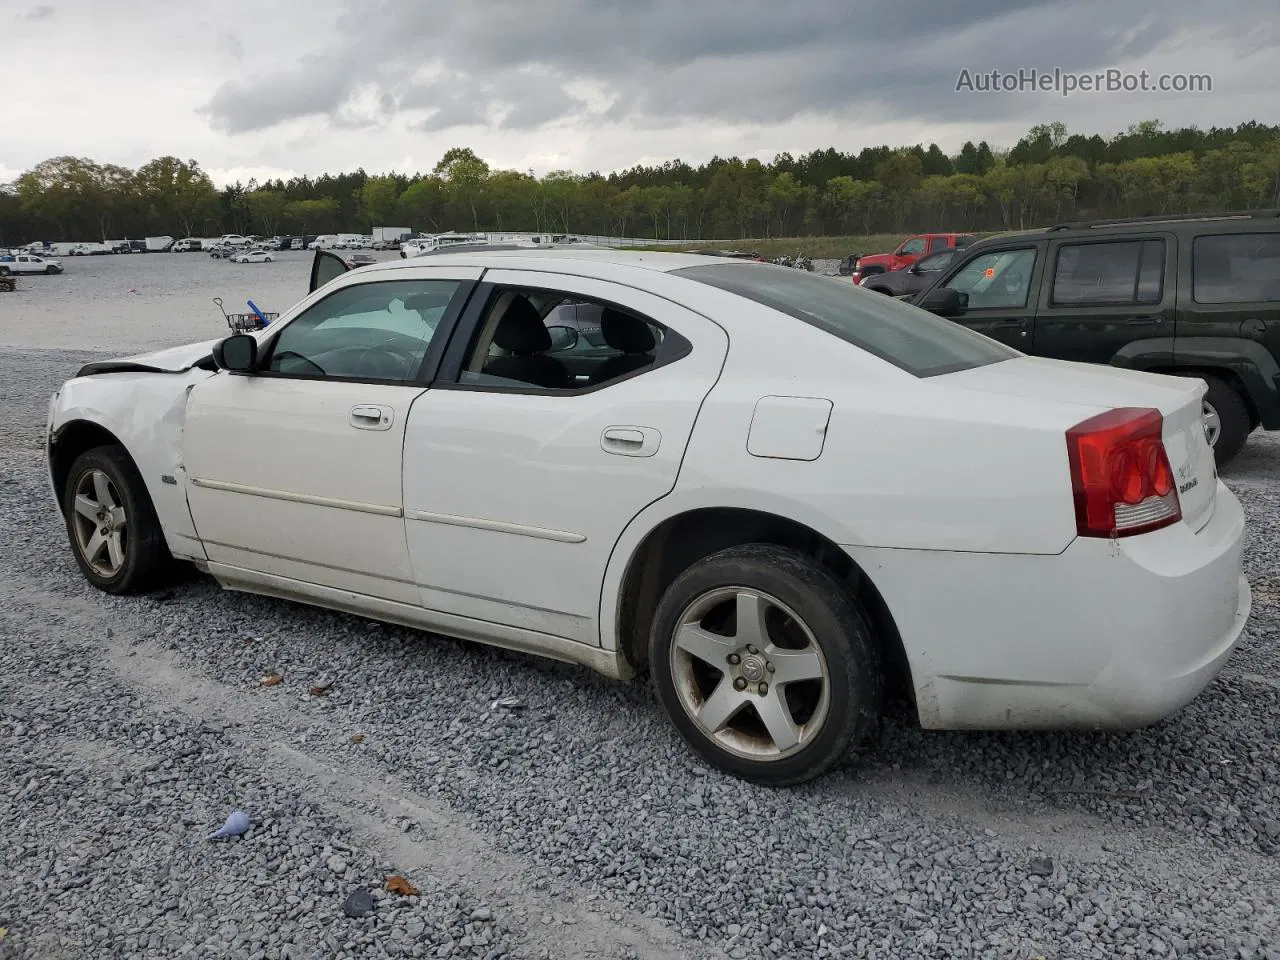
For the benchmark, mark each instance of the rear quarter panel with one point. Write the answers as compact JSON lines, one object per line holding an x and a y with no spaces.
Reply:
{"x":907,"y":463}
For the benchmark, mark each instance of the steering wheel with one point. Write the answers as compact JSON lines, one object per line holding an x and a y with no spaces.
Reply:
{"x":297,"y":356}
{"x":384,"y":363}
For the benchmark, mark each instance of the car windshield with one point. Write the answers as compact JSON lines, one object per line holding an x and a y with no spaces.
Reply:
{"x":907,"y":337}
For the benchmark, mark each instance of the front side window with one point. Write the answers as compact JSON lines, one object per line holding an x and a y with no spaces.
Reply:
{"x":1236,"y":268}
{"x":907,"y":337}
{"x":935,"y":263}
{"x":369,"y":331}
{"x":1122,"y":272}
{"x":996,"y":280}
{"x":913,"y":246}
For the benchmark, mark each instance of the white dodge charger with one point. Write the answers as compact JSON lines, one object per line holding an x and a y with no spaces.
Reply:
{"x":779,"y":493}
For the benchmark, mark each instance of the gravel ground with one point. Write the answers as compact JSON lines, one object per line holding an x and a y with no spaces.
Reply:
{"x":579,"y":826}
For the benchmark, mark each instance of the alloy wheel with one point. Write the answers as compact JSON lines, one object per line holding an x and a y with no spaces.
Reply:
{"x":750,"y":673}
{"x":1212,"y":422}
{"x":100,"y":523}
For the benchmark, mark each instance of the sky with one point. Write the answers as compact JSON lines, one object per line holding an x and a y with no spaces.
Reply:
{"x":255,"y":89}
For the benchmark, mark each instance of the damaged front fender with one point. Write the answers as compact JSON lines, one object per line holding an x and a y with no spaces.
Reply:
{"x":145,"y":412}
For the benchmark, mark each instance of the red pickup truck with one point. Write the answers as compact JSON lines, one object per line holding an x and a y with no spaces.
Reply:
{"x":908,"y":252}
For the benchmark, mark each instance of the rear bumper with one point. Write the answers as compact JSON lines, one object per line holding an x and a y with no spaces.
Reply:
{"x":1106,"y":635}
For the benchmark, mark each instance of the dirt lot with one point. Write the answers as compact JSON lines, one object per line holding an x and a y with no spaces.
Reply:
{"x":576,"y":827}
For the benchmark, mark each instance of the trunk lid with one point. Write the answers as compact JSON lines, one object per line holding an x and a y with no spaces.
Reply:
{"x":1094,"y":388}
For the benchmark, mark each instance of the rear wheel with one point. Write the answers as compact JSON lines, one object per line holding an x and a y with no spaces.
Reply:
{"x":4,"y":271}
{"x":765,"y":664}
{"x":1227,"y":420}
{"x":115,"y":534}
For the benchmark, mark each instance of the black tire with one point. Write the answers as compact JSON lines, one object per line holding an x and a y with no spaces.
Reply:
{"x":838,"y":627}
{"x":4,"y":271}
{"x":147,"y":563}
{"x":1236,"y":423}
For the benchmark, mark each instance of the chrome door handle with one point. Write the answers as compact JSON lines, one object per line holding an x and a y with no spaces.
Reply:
{"x":631,"y":441}
{"x":371,"y":416}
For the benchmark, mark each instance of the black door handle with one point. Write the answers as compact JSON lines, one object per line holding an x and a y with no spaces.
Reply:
{"x":1146,"y":321}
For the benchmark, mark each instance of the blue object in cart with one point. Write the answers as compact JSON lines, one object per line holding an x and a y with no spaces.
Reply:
{"x":261,"y":316}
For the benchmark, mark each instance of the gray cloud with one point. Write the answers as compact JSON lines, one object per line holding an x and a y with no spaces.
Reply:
{"x":230,"y":45}
{"x":660,"y":62}
{"x":42,"y":12}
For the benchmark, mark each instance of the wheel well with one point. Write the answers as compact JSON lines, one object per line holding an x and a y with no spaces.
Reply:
{"x":69,"y":442}
{"x":1227,"y":376}
{"x":678,"y":542}
{"x":885,"y":290}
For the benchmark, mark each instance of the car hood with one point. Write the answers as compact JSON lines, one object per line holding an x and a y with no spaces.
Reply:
{"x":169,"y":360}
{"x":874,"y":258}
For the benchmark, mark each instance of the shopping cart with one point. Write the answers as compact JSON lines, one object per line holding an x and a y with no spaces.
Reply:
{"x":246,"y":322}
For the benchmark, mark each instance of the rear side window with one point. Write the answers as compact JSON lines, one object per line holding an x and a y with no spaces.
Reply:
{"x":1095,"y":274}
{"x":1236,"y":268}
{"x":907,"y":337}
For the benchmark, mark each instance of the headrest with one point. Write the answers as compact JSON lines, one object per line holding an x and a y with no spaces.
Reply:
{"x":625,"y":332}
{"x":521,"y":330}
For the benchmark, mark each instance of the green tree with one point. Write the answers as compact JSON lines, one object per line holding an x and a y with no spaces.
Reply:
{"x":316,"y":215}
{"x":177,"y":193}
{"x":424,"y":203}
{"x":267,"y":207}
{"x":561,"y":188}
{"x":464,"y":175}
{"x":379,"y":200}
{"x":785,"y":195}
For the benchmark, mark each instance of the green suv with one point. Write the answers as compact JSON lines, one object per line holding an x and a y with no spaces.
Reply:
{"x":1192,"y":296}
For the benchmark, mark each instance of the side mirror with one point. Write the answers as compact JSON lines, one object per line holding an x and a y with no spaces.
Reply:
{"x":944,"y":301}
{"x":562,"y":338}
{"x":237,"y":353}
{"x":914,"y":268}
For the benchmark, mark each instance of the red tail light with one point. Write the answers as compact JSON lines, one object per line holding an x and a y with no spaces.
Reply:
{"x":1120,"y":474}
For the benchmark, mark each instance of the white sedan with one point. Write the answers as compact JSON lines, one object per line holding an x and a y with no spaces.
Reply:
{"x":783,"y":494}
{"x":253,"y":256}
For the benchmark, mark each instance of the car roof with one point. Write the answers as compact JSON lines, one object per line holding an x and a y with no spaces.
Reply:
{"x":567,"y":260}
{"x":1265,"y":221}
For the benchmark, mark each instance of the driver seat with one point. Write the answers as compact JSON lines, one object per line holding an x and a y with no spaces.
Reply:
{"x":525,"y":337}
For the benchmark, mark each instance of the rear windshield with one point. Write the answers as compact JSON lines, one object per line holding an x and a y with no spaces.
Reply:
{"x":905,"y":336}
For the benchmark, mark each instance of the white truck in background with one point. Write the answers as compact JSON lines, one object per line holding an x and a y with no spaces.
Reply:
{"x":158,"y":244}
{"x":389,"y":238}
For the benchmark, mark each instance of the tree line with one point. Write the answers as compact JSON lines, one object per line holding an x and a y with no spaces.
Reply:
{"x":1048,"y":176}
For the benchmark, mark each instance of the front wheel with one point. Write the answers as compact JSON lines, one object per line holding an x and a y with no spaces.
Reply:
{"x":765,"y":664}
{"x":1227,"y":422}
{"x":4,"y":271}
{"x":115,"y":534}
